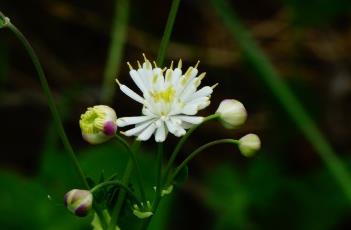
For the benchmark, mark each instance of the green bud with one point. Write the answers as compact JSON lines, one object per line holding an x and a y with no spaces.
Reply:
{"x":249,"y":144}
{"x":143,"y":214}
{"x":4,"y":21}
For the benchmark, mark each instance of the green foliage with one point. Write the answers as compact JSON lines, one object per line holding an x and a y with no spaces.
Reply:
{"x":265,"y":198}
{"x":318,"y":12}
{"x":25,"y":205}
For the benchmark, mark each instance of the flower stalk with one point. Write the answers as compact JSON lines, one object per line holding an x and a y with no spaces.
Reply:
{"x":181,"y":143}
{"x":48,"y":94}
{"x":125,"y":180}
{"x":196,"y":152}
{"x":136,"y":166}
{"x":119,"y":184}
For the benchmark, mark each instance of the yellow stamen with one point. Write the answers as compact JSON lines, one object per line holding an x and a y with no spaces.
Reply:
{"x":166,"y":95}
{"x":180,"y":64}
{"x":130,"y":66}
{"x":197,"y":64}
{"x":119,"y":84}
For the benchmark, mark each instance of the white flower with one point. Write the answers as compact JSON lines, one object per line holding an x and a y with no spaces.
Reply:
{"x":232,"y":113}
{"x":249,"y":144}
{"x":98,"y":124}
{"x":169,"y":100}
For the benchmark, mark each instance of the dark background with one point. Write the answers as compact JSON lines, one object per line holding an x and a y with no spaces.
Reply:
{"x":285,"y":186}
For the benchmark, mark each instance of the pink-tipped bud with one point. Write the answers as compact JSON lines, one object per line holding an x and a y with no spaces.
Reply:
{"x":79,"y":202}
{"x":98,"y":124}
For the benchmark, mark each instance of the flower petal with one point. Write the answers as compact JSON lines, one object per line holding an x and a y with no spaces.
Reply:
{"x":191,"y":119}
{"x":125,"y":121}
{"x":137,"y":80}
{"x":137,"y":129}
{"x":175,"y":127}
{"x":146,"y":134}
{"x":161,"y":133}
{"x":203,"y":92}
{"x":130,"y":93}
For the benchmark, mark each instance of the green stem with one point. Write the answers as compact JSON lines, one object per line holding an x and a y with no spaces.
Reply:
{"x":196,"y":152}
{"x":125,"y":180}
{"x":115,"y":51}
{"x":136,"y":166}
{"x":52,"y":106}
{"x":167,"y":33}
{"x":181,"y":143}
{"x":159,"y":160}
{"x":157,"y":199}
{"x":51,"y":103}
{"x":116,"y":183}
{"x":284,"y":95}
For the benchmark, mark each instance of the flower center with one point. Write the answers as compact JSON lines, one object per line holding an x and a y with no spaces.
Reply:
{"x":92,"y":120}
{"x":166,"y":95}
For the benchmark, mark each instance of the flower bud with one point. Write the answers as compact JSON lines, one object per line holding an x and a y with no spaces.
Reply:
{"x":79,"y":202}
{"x":249,"y":144}
{"x":98,"y":124}
{"x":4,"y":21}
{"x":143,"y":214}
{"x":232,"y":113}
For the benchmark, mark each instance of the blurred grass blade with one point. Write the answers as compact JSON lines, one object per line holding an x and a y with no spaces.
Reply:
{"x":284,"y":95}
{"x":167,"y":33}
{"x":115,"y":52}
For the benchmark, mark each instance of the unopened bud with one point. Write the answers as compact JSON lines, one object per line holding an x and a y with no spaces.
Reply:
{"x":98,"y":124}
{"x":145,"y":213}
{"x":232,"y":113}
{"x":4,"y":21}
{"x":79,"y":202}
{"x":249,"y":144}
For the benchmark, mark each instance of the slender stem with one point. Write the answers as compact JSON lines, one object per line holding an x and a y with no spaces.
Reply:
{"x":168,"y":31}
{"x":181,"y":143}
{"x":116,"y":183}
{"x":115,"y":51}
{"x":125,"y":180}
{"x":159,"y":186}
{"x":196,"y":152}
{"x":52,"y":106}
{"x":159,"y":160}
{"x":57,"y":120}
{"x":136,"y":166}
{"x":258,"y":60}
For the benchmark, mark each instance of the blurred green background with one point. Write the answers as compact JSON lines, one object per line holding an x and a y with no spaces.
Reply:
{"x":286,"y":186}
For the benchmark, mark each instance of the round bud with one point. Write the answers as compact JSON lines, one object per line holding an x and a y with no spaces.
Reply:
{"x":98,"y":124}
{"x":249,"y":144}
{"x":79,"y":202}
{"x":232,"y":113}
